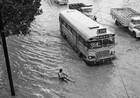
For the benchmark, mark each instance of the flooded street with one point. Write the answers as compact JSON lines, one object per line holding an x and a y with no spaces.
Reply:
{"x":36,"y":58}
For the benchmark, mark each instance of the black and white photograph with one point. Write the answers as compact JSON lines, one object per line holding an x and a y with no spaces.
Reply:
{"x":69,"y":48}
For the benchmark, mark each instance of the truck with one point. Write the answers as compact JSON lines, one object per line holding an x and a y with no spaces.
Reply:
{"x":127,"y":17}
{"x":82,"y":7}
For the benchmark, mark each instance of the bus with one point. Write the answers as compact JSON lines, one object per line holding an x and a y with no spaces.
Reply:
{"x":88,"y":38}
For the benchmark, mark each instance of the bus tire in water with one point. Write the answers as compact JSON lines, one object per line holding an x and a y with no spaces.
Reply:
{"x":134,"y":34}
{"x":80,"y":54}
{"x":64,"y":36}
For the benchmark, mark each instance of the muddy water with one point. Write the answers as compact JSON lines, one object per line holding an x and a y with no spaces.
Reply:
{"x":35,"y":59}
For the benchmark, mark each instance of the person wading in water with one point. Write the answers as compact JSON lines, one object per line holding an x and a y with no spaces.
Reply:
{"x":63,"y":76}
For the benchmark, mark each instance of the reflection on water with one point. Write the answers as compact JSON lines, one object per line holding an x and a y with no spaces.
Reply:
{"x":36,"y":58}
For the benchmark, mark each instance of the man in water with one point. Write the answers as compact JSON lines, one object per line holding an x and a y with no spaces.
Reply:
{"x":95,"y":18}
{"x":63,"y":76}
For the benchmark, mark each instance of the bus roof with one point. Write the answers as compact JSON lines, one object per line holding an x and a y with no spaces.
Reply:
{"x":86,"y":26}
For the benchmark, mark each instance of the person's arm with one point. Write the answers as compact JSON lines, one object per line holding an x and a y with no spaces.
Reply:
{"x":59,"y":75}
{"x":65,"y":75}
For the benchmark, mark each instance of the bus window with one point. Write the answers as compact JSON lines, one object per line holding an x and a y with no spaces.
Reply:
{"x":64,"y":23}
{"x":61,"y":20}
{"x":108,"y":41}
{"x":105,"y":42}
{"x":94,"y":44}
{"x":101,"y":43}
{"x":73,"y":32}
{"x":80,"y":38}
{"x":68,"y":27}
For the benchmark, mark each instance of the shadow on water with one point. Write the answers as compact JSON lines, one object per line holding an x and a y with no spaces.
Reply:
{"x":103,"y":63}
{"x":125,"y":32}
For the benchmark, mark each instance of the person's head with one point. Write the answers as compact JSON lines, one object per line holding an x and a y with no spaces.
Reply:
{"x":60,"y":70}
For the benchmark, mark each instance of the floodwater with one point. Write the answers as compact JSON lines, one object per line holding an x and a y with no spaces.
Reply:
{"x":36,"y":58}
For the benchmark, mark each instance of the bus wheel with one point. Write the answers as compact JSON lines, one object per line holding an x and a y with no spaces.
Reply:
{"x":77,"y":51}
{"x":134,"y":34}
{"x":80,"y":54}
{"x":63,"y":34}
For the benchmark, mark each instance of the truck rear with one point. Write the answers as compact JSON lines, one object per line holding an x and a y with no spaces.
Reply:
{"x":127,"y":17}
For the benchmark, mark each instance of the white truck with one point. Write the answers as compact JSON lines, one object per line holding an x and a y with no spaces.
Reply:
{"x":127,"y":17}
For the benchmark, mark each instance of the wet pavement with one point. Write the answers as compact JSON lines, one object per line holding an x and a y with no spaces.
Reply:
{"x":35,"y":59}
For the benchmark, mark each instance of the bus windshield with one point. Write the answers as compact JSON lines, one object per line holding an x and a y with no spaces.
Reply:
{"x":135,"y":21}
{"x":107,"y":42}
{"x":101,"y":43}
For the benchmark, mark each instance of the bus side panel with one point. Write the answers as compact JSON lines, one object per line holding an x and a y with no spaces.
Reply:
{"x":69,"y":36}
{"x":82,"y":48}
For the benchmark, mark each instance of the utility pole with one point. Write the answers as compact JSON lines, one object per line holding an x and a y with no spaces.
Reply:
{"x":3,"y":39}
